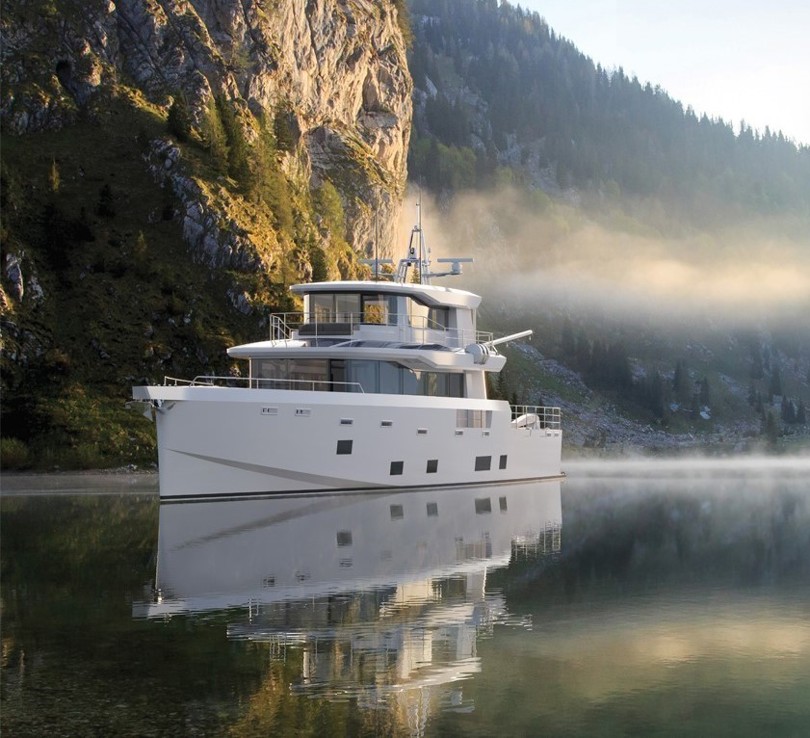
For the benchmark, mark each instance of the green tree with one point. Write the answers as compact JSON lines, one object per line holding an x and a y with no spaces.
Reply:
{"x":704,"y":396}
{"x":770,"y":427}
{"x":268,"y":182}
{"x":213,"y":135}
{"x":284,"y":129}
{"x":404,"y":22}
{"x":238,"y":148}
{"x":330,"y":207}
{"x":54,"y":178}
{"x":788,"y":411}
{"x":106,"y":202}
{"x":179,"y":118}
{"x":775,"y":384}
{"x":567,"y":341}
{"x":680,"y":381}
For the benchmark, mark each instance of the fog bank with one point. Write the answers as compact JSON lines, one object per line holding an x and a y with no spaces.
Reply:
{"x":538,"y":253}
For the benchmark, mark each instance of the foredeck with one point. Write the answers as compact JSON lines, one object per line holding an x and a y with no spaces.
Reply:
{"x":523,"y":417}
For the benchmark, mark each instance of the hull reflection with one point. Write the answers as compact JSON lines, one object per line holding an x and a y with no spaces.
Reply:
{"x":378,"y":592}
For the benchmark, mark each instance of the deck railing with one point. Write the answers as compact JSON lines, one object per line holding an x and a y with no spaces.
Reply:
{"x":312,"y":385}
{"x":532,"y":417}
{"x":536,"y":417}
{"x":408,"y":328}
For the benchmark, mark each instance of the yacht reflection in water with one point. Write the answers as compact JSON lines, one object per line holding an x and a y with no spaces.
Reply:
{"x":383,"y":593}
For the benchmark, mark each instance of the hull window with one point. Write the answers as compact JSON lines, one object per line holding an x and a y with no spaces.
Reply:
{"x":483,"y":463}
{"x":397,"y":468}
{"x":432,"y":466}
{"x":344,"y":448}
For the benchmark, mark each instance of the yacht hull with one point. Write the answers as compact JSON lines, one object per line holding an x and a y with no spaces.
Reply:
{"x":222,"y":442}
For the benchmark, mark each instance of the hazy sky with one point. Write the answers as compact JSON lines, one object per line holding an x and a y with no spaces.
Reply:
{"x":733,"y":59}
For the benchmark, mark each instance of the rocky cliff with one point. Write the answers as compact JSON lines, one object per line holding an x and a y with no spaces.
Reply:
{"x":334,"y":69}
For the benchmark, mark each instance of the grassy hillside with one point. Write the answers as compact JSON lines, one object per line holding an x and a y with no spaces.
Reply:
{"x":122,"y":300}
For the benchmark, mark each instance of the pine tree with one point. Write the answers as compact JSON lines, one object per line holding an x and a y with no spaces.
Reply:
{"x":680,"y":381}
{"x":775,"y":385}
{"x":54,"y":178}
{"x":704,"y":398}
{"x":567,"y":340}
{"x":213,"y":134}
{"x":179,"y":118}
{"x":771,"y":428}
{"x":757,"y":371}
{"x":788,"y":411}
{"x":238,"y":149}
{"x":269,"y":180}
{"x":283,"y":129}
{"x":106,"y":202}
{"x":330,"y":207}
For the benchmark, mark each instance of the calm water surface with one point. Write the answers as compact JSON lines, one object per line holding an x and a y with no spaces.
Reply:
{"x":632,"y":599}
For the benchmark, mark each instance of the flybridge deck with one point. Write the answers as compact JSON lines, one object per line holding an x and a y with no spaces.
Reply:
{"x":373,"y":384}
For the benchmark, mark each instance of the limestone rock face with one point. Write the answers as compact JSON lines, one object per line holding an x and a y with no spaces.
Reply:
{"x":335,"y":68}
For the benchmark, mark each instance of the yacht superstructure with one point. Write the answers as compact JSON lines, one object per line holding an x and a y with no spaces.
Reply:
{"x":374,"y":384}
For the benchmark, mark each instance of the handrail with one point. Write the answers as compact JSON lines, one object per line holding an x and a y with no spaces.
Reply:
{"x":204,"y":380}
{"x":290,"y":325}
{"x":536,"y":417}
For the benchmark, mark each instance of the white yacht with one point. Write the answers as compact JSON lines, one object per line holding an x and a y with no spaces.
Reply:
{"x":376,"y":384}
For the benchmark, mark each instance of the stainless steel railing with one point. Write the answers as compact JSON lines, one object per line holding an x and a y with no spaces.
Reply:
{"x":536,"y":417}
{"x":409,"y":328}
{"x":320,"y":385}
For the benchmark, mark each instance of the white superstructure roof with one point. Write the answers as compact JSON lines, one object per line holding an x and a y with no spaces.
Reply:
{"x":430,"y":294}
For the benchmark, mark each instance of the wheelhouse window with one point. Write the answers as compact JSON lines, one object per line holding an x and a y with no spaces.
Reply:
{"x":349,"y":307}
{"x":439,"y":317}
{"x":425,"y":316}
{"x":380,"y":309}
{"x":334,"y":307}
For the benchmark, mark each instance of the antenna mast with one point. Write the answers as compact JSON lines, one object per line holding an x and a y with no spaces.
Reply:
{"x":418,"y":260}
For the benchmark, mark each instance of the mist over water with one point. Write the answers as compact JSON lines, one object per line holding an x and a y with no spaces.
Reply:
{"x":696,"y":467}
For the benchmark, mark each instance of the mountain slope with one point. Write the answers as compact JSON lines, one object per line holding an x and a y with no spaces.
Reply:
{"x":662,"y":259}
{"x":496,"y":88}
{"x":169,"y":168}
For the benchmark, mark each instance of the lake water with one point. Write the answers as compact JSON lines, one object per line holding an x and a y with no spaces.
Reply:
{"x":631,"y":600}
